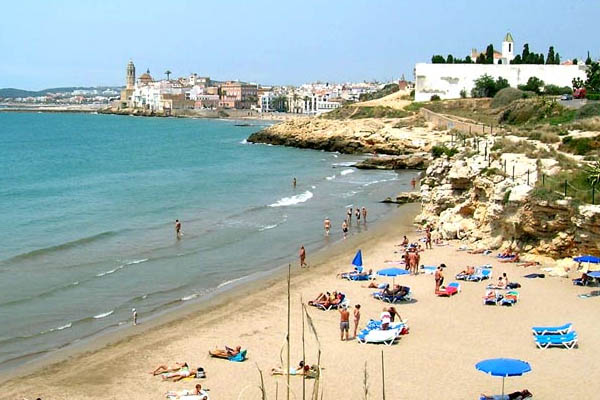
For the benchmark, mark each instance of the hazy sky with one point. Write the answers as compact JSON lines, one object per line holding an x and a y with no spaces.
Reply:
{"x":65,"y":43}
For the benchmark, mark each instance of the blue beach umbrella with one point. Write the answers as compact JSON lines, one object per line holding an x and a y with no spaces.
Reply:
{"x":587,"y":259}
{"x":503,"y":367}
{"x":393,"y":272}
{"x":357,"y":262}
{"x":594,"y":274}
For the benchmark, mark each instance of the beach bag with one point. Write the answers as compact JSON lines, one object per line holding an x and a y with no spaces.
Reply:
{"x":200,"y":373}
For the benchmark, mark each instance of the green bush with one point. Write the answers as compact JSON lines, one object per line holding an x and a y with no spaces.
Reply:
{"x":463,"y":94}
{"x":435,"y":97}
{"x":506,"y":96}
{"x":593,"y":96}
{"x":438,"y":151}
{"x":554,"y":90}
{"x":580,"y":146}
{"x":588,"y":111}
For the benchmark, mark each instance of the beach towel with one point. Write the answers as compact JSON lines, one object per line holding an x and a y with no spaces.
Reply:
{"x":241,"y":356}
{"x":593,"y":293}
{"x":531,"y":276}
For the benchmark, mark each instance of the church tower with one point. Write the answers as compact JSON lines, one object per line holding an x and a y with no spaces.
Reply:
{"x":508,"y":49}
{"x":130,"y":75}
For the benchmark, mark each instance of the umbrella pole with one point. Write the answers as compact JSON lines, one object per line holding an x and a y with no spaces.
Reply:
{"x":502,"y":388}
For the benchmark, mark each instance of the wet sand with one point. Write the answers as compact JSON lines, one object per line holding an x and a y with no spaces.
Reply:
{"x":435,"y":360}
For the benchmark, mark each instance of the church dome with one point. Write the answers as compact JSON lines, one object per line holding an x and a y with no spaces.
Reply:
{"x":146,"y":77}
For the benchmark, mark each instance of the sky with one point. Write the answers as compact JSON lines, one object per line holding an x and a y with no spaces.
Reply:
{"x":46,"y":44}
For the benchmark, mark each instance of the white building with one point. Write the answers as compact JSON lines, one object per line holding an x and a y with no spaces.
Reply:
{"x":448,"y":80}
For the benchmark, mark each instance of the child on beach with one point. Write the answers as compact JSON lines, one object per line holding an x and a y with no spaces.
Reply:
{"x":356,"y":318}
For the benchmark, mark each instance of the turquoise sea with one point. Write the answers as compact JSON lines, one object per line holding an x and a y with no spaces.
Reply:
{"x":88,"y":205}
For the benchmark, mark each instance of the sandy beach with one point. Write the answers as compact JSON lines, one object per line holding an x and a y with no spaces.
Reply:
{"x":434,"y":361}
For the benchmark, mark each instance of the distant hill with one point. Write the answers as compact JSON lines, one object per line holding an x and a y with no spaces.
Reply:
{"x":12,"y":92}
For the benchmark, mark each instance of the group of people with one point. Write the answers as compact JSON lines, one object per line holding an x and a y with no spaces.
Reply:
{"x":358,"y":212}
{"x":345,"y":321}
{"x":412,"y":259}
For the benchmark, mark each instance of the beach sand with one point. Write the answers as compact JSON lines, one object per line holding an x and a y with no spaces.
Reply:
{"x":434,"y":361}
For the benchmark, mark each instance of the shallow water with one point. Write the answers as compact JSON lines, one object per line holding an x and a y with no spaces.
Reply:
{"x":89,"y":202}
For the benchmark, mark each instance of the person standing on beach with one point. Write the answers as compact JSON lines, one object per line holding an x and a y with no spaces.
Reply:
{"x":439,"y":278}
{"x":134,"y":316}
{"x":344,"y":322}
{"x":302,"y":257}
{"x":345,"y":229}
{"x":349,"y":216}
{"x":178,"y":229}
{"x":428,"y":238}
{"x":356,"y":318}
{"x":364,"y":214}
{"x":413,"y":182}
{"x":327,"y":226}
{"x":357,"y":214}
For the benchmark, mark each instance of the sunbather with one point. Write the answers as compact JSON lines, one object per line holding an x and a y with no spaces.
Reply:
{"x":385,"y":318}
{"x":302,"y":369}
{"x":468,"y":271}
{"x":198,"y":391}
{"x":322,"y":299}
{"x":393,"y":314}
{"x":501,"y":284}
{"x":523,"y":394}
{"x":374,"y":285}
{"x":161,"y":369}
{"x":476,"y":251}
{"x":584,"y":280}
{"x":176,"y":376}
{"x":225,"y":353}
{"x":528,"y":264}
{"x":510,"y":258}
{"x":490,"y":296}
{"x":356,"y":274}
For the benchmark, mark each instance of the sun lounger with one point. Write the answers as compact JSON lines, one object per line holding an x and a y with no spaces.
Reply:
{"x":480,"y":274}
{"x":356,"y":277}
{"x":568,"y":341}
{"x":492,"y":297}
{"x":429,"y":269}
{"x":510,"y":298}
{"x":387,"y":337}
{"x":343,"y":302}
{"x":552,"y":330}
{"x":450,"y":290}
{"x":393,"y":298}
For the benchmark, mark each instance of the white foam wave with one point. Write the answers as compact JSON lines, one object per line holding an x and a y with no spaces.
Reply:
{"x":136,"y":261}
{"x":75,"y":283}
{"x":244,"y":141}
{"x":335,"y":155}
{"x":330,"y":178}
{"x":345,"y":164}
{"x":292,"y":200}
{"x":267,"y":227}
{"x":106,"y":314}
{"x":313,"y":187}
{"x":228,"y":282}
{"x":347,"y":171}
{"x":66,"y":326}
{"x":101,"y":274}
{"x":191,"y":296}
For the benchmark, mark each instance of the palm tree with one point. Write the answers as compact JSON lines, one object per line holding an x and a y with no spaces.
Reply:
{"x":593,"y":172}
{"x":168,"y":74}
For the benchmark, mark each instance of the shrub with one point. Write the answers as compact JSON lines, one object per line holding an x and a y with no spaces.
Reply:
{"x":593,"y":96}
{"x":580,"y":146}
{"x":588,"y":111}
{"x":534,"y":84}
{"x":506,"y":96}
{"x":554,"y":90}
{"x":435,"y":97}
{"x":438,"y":151}
{"x":412,"y":94}
{"x":485,"y":86}
{"x":463,"y":94}
{"x":549,"y":137}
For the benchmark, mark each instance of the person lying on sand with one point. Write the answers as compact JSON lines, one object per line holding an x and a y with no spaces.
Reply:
{"x":374,"y":285}
{"x":161,"y":369}
{"x":476,"y":251}
{"x":528,"y":264}
{"x":198,"y":391}
{"x":322,"y":298}
{"x":300,"y":370}
{"x":523,"y":394}
{"x":176,"y":376}
{"x":225,"y":353}
{"x":511,"y":258}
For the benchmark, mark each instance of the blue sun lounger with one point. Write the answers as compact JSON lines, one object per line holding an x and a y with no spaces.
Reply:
{"x":393,"y":298}
{"x":568,"y":341}
{"x":356,"y":277}
{"x":552,"y":330}
{"x":480,"y":274}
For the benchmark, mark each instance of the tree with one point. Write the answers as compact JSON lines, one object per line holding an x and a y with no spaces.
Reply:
{"x":575,"y":61}
{"x":588,"y":60}
{"x":485,"y":86}
{"x":592,"y":83}
{"x":534,"y":84}
{"x":450,"y":59}
{"x":468,"y":60}
{"x":593,"y":173}
{"x":557,"y":59}
{"x":577,"y":83}
{"x":540,"y":58}
{"x":463,"y":93}
{"x":168,"y":74}
{"x":480,"y":59}
{"x":489,"y":54}
{"x":501,"y":83}
{"x":550,"y":57}
{"x":517,"y":60}
{"x":525,"y":54}
{"x":437,"y":59}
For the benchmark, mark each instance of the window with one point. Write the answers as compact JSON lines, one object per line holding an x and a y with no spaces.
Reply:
{"x":509,"y":47}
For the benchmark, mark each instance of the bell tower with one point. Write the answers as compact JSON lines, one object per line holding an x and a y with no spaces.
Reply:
{"x":130,"y":75}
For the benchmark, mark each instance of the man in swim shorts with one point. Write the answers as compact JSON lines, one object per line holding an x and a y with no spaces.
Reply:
{"x":344,"y":322}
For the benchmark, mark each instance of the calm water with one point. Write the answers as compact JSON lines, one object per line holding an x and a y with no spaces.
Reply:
{"x":88,"y":204}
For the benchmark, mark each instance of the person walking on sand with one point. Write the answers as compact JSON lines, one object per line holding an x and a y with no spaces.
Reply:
{"x":178,"y":229}
{"x":344,"y":322}
{"x":364,"y":214}
{"x":134,"y":316}
{"x":356,"y":318}
{"x":345,"y":229}
{"x":302,"y":257}
{"x":327,"y":226}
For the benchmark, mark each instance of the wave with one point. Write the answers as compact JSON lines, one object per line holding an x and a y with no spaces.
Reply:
{"x":137,"y":261}
{"x":344,"y":164}
{"x":229,"y":282}
{"x":40,"y":295}
{"x":103,"y":315}
{"x":347,"y":171}
{"x":60,"y":328}
{"x":244,"y":141}
{"x":192,"y":296}
{"x":62,"y":246}
{"x":267,"y":227}
{"x":101,"y":274}
{"x":293,"y":200}
{"x":313,"y":187}
{"x":330,"y":178}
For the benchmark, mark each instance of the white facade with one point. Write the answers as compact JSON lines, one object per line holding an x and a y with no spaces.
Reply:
{"x":448,"y":80}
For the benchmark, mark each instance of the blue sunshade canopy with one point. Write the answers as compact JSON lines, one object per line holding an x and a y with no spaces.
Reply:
{"x":392,"y":272}
{"x":503,"y":367}
{"x":587,"y":259}
{"x":357,"y":262}
{"x":595,"y":274}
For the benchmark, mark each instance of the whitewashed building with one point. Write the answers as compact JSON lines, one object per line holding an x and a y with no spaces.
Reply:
{"x":448,"y":80}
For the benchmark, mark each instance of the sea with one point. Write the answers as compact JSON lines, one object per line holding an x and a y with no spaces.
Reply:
{"x":88,"y":205}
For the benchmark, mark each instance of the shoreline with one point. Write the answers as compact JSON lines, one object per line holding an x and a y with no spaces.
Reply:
{"x":215,"y":301}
